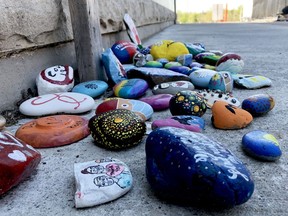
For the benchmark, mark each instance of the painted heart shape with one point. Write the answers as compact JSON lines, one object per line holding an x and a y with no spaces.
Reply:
{"x":17,"y":155}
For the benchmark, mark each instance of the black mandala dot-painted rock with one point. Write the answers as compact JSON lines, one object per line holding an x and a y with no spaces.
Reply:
{"x":117,"y":129}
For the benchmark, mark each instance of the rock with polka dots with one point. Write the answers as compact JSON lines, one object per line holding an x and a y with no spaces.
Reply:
{"x":188,"y":167}
{"x":17,"y":161}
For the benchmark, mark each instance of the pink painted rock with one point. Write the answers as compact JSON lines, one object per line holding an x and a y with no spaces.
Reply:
{"x":158,"y":102}
{"x":55,"y":79}
{"x":17,"y":161}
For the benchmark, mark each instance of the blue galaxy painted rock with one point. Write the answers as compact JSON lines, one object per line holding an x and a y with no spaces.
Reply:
{"x":185,"y":166}
{"x":261,"y":145}
{"x":201,"y":78}
{"x":221,"y":81}
{"x":258,"y":104}
{"x":93,"y":88}
{"x":130,"y":88}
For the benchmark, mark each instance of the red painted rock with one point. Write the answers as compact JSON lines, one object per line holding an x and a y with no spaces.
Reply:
{"x":53,"y":131}
{"x":17,"y":161}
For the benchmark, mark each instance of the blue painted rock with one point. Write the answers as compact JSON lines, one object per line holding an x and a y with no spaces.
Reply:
{"x":154,"y":64}
{"x":55,"y":79}
{"x":93,"y":88}
{"x":258,"y":104}
{"x":130,"y":88}
{"x":156,"y":76}
{"x":187,"y":103}
{"x":195,"y":64}
{"x":251,"y":81}
{"x":113,"y":67}
{"x":18,"y":160}
{"x":117,"y":129}
{"x":158,"y":102}
{"x":163,"y":61}
{"x":124,"y":51}
{"x":142,"y":109}
{"x":185,"y":60}
{"x":211,"y":96}
{"x":188,"y":122}
{"x":172,"y":87}
{"x":261,"y":145}
{"x":200,"y":57}
{"x":194,"y":48}
{"x":188,"y":167}
{"x":66,"y":102}
{"x":101,"y":181}
{"x":228,"y":117}
{"x":221,"y":81}
{"x":230,"y":62}
{"x":172,"y":64}
{"x":201,"y":78}
{"x":181,"y":69}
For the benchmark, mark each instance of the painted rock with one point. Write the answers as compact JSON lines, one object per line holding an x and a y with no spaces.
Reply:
{"x":55,"y":79}
{"x":113,"y":67}
{"x":258,"y":104}
{"x":93,"y":88}
{"x":221,"y":81}
{"x":185,"y":60}
{"x":188,"y":122}
{"x":2,"y":122}
{"x":172,"y":64}
{"x":251,"y":81}
{"x":261,"y":145}
{"x":230,"y":62}
{"x":142,"y":109}
{"x":195,"y":64}
{"x":154,"y":64}
{"x":187,"y":103}
{"x":53,"y":131}
{"x":156,"y":76}
{"x":158,"y":102}
{"x":17,"y":161}
{"x":172,"y":87}
{"x":200,"y":56}
{"x":163,"y":61}
{"x":194,"y":48}
{"x":188,"y":167}
{"x":211,"y":59}
{"x":211,"y":96}
{"x":65,"y":102}
{"x":181,"y":69}
{"x":117,"y":129}
{"x":124,"y":51}
{"x":139,"y":59}
{"x":226,"y":116}
{"x":201,"y":78}
{"x":130,"y":88}
{"x":101,"y":181}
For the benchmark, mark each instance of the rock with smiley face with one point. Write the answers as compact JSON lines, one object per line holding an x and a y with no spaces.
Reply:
{"x":55,"y":79}
{"x":188,"y":167}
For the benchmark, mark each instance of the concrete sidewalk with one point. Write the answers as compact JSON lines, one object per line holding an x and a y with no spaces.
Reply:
{"x":263,"y":47}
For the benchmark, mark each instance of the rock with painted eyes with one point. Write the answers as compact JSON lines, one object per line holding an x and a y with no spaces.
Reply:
{"x":188,"y":167}
{"x":226,"y":116}
{"x":258,"y":104}
{"x":117,"y":129}
{"x":221,"y":81}
{"x":172,"y":87}
{"x":141,"y":108}
{"x":187,"y":103}
{"x":17,"y":161}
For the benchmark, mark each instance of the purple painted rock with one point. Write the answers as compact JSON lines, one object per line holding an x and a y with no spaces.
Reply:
{"x":17,"y":161}
{"x":55,"y":79}
{"x":188,"y":122}
{"x":172,"y":87}
{"x":156,"y":76}
{"x":230,"y":62}
{"x":158,"y":102}
{"x":130,"y":88}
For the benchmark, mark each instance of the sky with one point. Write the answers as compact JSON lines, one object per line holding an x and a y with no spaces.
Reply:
{"x":205,"y":5}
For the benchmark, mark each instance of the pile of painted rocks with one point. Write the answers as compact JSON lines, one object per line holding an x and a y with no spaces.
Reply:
{"x":182,"y":163}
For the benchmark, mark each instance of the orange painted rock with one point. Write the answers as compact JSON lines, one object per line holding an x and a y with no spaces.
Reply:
{"x":53,"y":131}
{"x":17,"y":161}
{"x":227,"y":116}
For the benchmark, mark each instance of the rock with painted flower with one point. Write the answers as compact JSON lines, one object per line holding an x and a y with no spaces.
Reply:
{"x":188,"y":167}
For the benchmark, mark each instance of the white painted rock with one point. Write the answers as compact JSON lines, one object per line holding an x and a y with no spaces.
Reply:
{"x":101,"y":181}
{"x":65,"y":102}
{"x":55,"y":79}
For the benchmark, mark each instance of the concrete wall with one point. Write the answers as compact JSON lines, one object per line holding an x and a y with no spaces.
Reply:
{"x":38,"y":34}
{"x":267,"y":8}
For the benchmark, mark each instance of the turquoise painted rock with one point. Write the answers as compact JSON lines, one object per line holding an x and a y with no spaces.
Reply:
{"x":188,"y":167}
{"x":201,"y":78}
{"x":117,"y":129}
{"x":195,"y":48}
{"x":222,"y":81}
{"x":130,"y":88}
{"x":158,"y":102}
{"x":142,"y":109}
{"x":154,"y":64}
{"x":261,"y":145}
{"x":230,"y":62}
{"x":93,"y":88}
{"x":251,"y":81}
{"x":172,"y":87}
{"x":187,"y":103}
{"x":258,"y":104}
{"x":188,"y":122}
